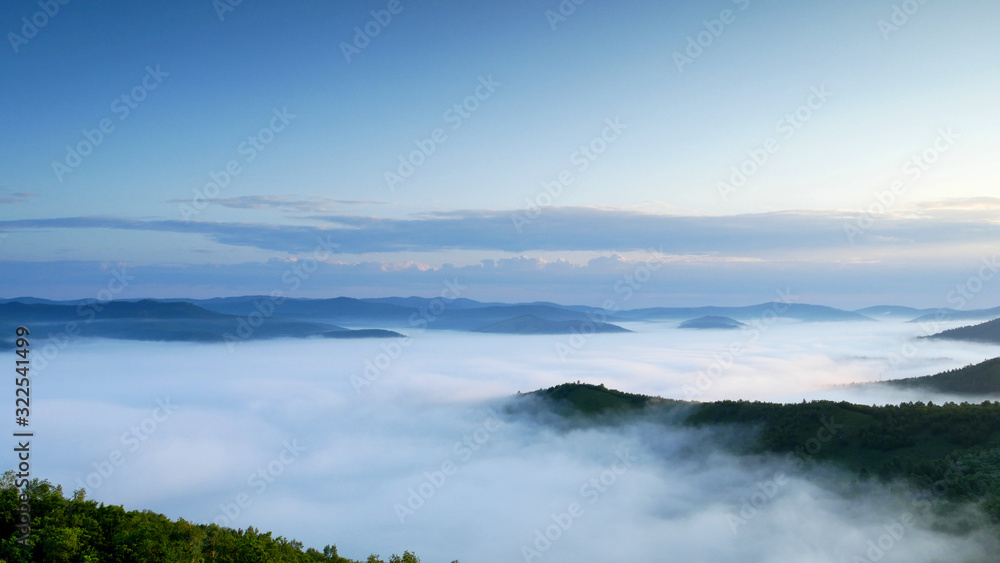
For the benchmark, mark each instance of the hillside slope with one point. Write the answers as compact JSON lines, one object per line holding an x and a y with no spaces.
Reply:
{"x":530,"y":324}
{"x":977,"y":379}
{"x":75,"y":529}
{"x":912,"y":441}
{"x":987,"y":333}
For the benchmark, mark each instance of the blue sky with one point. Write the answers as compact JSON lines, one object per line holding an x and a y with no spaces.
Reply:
{"x":837,"y":102}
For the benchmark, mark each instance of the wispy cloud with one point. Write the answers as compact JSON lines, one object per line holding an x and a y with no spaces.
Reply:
{"x":571,"y":229}
{"x":962,"y":203}
{"x":680,"y":280}
{"x":984,"y":209}
{"x":297,"y":204}
{"x":16,"y":197}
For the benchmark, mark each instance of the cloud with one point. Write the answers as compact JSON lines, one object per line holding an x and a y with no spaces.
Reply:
{"x":16,"y":197}
{"x":678,"y":281}
{"x":964,"y":203}
{"x":569,"y":229}
{"x":722,"y":260}
{"x":362,"y":454}
{"x":297,"y":204}
{"x":968,"y":209}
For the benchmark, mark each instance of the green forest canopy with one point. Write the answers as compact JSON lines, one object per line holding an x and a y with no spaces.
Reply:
{"x":76,"y":530}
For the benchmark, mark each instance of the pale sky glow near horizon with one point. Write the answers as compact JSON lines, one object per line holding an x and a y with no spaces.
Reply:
{"x":867,"y":134}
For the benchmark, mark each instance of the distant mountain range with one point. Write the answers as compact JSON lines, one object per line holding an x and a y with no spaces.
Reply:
{"x":142,"y":309}
{"x":260,"y":316}
{"x":796,"y":311}
{"x":909,"y":314}
{"x":464,"y":314}
{"x":711,"y":322}
{"x":530,"y":324}
{"x":953,"y":315}
{"x":894,"y":313}
{"x":153,"y":320}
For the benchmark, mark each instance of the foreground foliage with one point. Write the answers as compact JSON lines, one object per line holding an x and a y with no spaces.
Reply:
{"x":76,"y":530}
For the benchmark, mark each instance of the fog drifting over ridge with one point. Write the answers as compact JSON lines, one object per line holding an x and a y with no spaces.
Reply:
{"x":345,"y":458}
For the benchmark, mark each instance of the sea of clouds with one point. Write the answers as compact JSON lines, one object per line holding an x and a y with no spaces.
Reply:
{"x":379,"y":446}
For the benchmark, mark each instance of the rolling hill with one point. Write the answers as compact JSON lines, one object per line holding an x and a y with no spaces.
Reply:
{"x":895,"y":313}
{"x":363,"y":333}
{"x":916,"y":442}
{"x":955,"y":315}
{"x":987,"y":333}
{"x":713,"y":322}
{"x":338,"y":309}
{"x":796,"y":311}
{"x":164,"y":321}
{"x":144,"y":309}
{"x":530,"y":324}
{"x":978,"y":379}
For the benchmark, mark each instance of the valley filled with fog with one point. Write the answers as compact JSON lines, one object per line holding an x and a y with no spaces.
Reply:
{"x":387,"y":444}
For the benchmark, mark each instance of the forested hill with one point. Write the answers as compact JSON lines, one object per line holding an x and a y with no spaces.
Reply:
{"x":978,"y":379}
{"x":918,"y":442}
{"x":581,"y":398}
{"x":987,"y":333}
{"x":76,"y":530}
